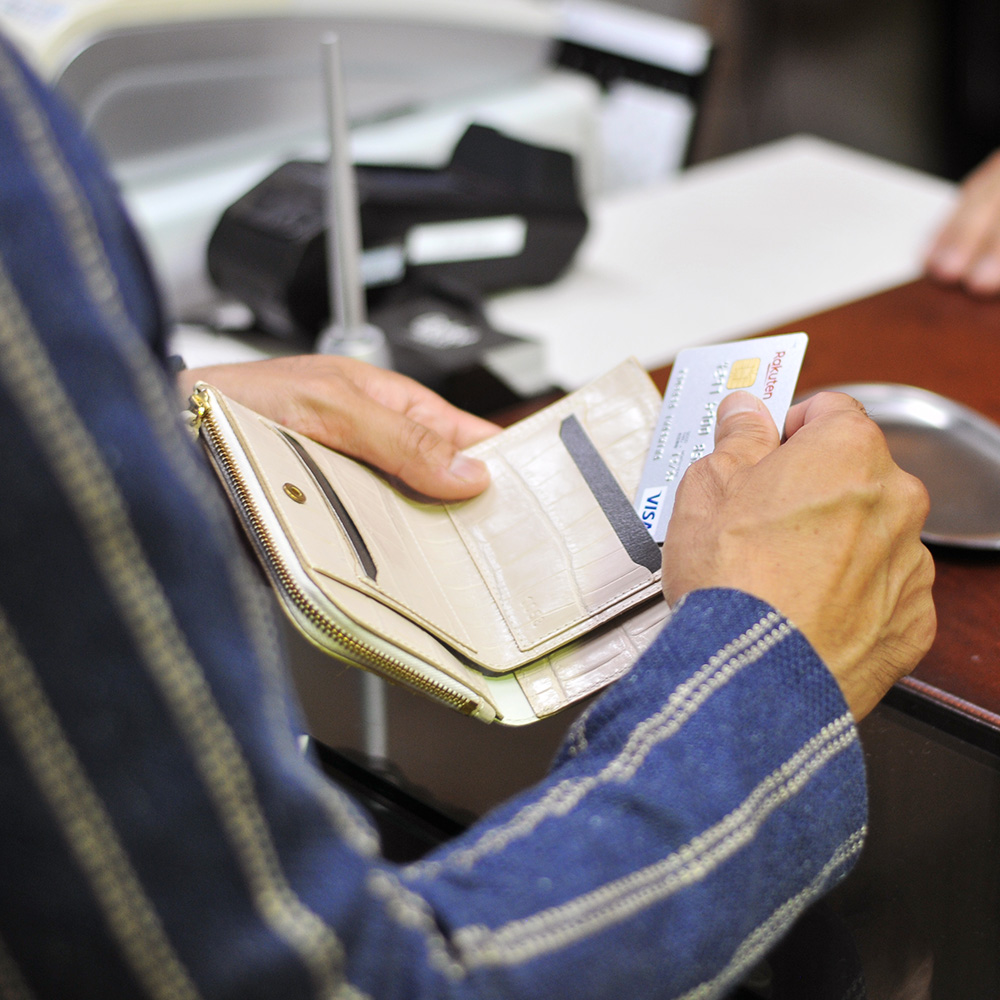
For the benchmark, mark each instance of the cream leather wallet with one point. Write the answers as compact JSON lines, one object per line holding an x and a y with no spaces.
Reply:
{"x":509,"y":606}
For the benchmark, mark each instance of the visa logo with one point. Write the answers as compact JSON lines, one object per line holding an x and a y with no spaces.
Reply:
{"x":649,"y":509}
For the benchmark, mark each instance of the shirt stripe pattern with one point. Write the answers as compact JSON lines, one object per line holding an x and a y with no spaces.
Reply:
{"x":682,"y":704}
{"x":117,"y":552}
{"x":621,"y":900}
{"x":81,"y":235}
{"x":87,"y":827}
{"x":760,"y":941}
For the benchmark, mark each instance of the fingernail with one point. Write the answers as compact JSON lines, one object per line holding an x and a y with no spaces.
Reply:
{"x":469,"y":470}
{"x":948,"y":263}
{"x":740,"y":402}
{"x":985,"y":275}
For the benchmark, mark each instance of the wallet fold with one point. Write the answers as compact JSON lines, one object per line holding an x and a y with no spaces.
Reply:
{"x":509,"y":606}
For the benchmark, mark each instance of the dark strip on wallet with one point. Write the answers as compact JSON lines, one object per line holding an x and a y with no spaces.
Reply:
{"x":330,"y":494}
{"x":620,"y":513}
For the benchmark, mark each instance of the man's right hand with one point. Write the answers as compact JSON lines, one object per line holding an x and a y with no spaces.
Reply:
{"x":825,"y":528}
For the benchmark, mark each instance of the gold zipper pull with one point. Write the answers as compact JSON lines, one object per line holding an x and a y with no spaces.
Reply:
{"x":198,"y":404}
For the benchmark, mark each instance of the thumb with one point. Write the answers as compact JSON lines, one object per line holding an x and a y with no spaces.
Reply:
{"x":436,"y":468}
{"x":744,"y":428}
{"x":420,"y":457}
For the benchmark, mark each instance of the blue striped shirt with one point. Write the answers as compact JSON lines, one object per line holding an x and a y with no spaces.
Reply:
{"x":162,"y":836}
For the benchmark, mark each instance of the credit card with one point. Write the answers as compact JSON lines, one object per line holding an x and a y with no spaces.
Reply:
{"x":685,"y":431}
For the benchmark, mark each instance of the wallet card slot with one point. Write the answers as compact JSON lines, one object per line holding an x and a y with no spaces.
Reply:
{"x":344,"y":518}
{"x":621,"y":515}
{"x":544,"y":546}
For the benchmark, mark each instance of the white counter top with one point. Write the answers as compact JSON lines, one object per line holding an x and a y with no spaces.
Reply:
{"x":729,"y":248}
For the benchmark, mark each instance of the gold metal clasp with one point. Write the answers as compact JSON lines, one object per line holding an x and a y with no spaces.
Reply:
{"x":198,"y":404}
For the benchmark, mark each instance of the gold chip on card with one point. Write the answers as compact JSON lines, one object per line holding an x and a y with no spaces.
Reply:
{"x":743,"y":374}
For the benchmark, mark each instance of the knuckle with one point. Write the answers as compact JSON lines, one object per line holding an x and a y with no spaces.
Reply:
{"x":713,"y":475}
{"x":840,"y":404}
{"x":419,"y":442}
{"x":718,"y":465}
{"x":855,"y":404}
{"x":912,"y":497}
{"x":920,"y":499}
{"x":868,"y":433}
{"x":854,"y":436}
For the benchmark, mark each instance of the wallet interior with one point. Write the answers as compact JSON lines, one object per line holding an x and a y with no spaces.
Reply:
{"x":550,"y":551}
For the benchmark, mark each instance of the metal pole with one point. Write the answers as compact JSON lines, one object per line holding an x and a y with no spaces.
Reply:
{"x":349,"y":331}
{"x":347,"y":304}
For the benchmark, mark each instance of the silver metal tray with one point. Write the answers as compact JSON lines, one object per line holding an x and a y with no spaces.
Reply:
{"x":953,"y":450}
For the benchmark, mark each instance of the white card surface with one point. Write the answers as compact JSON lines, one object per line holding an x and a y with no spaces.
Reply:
{"x":701,"y":378}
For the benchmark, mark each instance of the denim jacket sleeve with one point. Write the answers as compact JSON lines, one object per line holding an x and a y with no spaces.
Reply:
{"x":161,"y":836}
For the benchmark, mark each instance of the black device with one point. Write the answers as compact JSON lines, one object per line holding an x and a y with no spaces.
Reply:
{"x":503,"y":213}
{"x":443,"y":339}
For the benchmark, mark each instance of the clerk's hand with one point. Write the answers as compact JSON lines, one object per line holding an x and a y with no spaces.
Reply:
{"x":966,"y":251}
{"x":825,"y":528}
{"x":378,"y":416}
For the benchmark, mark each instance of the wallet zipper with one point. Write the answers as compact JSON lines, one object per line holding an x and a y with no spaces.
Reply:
{"x":390,"y":667}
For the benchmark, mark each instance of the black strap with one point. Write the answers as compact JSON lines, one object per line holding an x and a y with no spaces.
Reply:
{"x":622,"y":517}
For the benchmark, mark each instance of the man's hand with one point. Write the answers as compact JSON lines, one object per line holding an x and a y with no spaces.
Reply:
{"x":377,"y":416}
{"x":826,"y":528}
{"x":967,"y":249}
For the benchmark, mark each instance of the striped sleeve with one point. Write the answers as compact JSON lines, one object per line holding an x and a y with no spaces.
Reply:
{"x":161,"y":835}
{"x":693,"y":814}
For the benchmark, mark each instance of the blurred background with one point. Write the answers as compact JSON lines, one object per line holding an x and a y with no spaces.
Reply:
{"x":915,"y":81}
